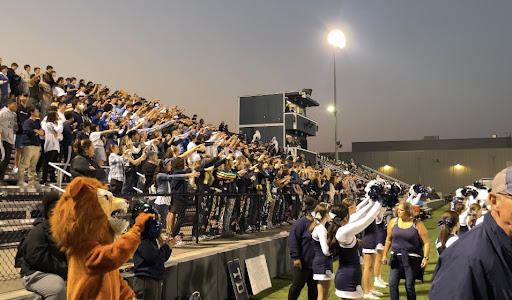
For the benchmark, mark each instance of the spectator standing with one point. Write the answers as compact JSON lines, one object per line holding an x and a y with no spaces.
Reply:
{"x":58,"y":88}
{"x":53,"y":129}
{"x":25,"y":77}
{"x":482,"y":258}
{"x":4,"y":86}
{"x":31,"y":147}
{"x":68,"y":137}
{"x":408,"y":256}
{"x":33,"y":87}
{"x":303,"y":253}
{"x":96,"y":138}
{"x":7,"y":127}
{"x":45,"y":93}
{"x":22,"y":115}
{"x":148,"y":265}
{"x":117,"y":163}
{"x":14,"y":80}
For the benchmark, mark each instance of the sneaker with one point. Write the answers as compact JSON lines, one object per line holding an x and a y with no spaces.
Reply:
{"x":378,"y":283}
{"x":370,"y":296}
{"x":15,"y":169}
{"x":377,"y":293}
{"x":382,"y":281}
{"x":22,"y":183}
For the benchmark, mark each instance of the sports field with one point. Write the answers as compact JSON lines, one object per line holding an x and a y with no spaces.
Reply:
{"x":281,"y":284}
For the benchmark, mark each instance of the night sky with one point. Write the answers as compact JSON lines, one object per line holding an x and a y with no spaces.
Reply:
{"x":410,"y":68}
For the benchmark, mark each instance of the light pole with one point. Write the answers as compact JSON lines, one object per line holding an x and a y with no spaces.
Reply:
{"x":337,"y":39}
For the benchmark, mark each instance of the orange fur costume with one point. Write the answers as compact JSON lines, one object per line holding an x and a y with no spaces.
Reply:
{"x":82,"y":226}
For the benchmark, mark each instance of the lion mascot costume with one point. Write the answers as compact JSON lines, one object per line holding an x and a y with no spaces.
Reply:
{"x":84,"y":223}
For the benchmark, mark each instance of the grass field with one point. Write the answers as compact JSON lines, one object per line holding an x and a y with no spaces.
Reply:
{"x":281,"y":284}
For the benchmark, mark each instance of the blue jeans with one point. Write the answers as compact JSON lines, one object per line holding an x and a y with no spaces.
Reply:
{"x":398,"y":271}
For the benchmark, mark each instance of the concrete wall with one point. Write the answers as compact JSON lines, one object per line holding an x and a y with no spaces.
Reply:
{"x":436,"y":167}
{"x":449,"y":144}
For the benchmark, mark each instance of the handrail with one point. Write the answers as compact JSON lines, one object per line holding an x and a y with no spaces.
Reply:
{"x":138,"y":190}
{"x":57,"y":188}
{"x":55,"y":165}
{"x":340,"y":169}
{"x":385,"y":176}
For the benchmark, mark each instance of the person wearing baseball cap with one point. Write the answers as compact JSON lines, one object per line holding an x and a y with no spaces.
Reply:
{"x":479,"y":264}
{"x":302,"y":253}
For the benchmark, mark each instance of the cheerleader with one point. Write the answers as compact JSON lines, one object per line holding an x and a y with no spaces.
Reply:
{"x":322,"y":263}
{"x":381,"y":241}
{"x":449,"y":225}
{"x":475,"y":212}
{"x":343,"y":242}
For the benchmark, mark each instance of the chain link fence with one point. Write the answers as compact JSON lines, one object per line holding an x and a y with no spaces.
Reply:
{"x":195,"y":217}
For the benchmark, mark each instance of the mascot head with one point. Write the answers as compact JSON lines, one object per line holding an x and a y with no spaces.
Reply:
{"x":86,"y":212}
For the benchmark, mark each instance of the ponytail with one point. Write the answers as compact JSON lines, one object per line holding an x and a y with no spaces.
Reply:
{"x":341,"y":212}
{"x":449,"y":219}
{"x":80,"y":146}
{"x":473,"y":209}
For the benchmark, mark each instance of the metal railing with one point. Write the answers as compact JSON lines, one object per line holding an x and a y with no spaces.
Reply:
{"x":204,"y":216}
{"x":386,"y":176}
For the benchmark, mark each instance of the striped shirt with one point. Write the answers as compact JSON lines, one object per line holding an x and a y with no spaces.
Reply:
{"x":117,"y":164}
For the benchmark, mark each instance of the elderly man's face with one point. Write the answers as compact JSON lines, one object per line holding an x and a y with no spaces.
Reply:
{"x":501,"y":210}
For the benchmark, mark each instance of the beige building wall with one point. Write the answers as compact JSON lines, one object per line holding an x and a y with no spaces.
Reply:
{"x":437,"y":168}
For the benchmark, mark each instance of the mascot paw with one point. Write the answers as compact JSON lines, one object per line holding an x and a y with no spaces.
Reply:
{"x":142,"y":219}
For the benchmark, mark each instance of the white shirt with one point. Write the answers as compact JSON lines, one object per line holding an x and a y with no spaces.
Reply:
{"x":57,"y":91}
{"x":51,"y":142}
{"x":96,"y":140}
{"x":319,"y":234}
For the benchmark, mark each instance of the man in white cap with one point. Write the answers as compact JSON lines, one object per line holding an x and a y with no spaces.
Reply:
{"x":479,"y":264}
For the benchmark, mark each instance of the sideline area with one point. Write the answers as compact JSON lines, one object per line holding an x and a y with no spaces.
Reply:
{"x":281,"y":284}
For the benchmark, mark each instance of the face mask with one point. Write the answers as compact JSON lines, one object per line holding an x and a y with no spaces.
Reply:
{"x":81,"y":107}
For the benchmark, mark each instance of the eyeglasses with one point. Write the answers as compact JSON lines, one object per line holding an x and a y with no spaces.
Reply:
{"x":506,"y":195}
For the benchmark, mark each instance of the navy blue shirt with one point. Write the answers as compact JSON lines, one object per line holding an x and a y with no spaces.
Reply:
{"x":149,"y":260}
{"x":300,"y":243}
{"x":30,"y":138}
{"x":67,"y":134}
{"x":477,"y":266}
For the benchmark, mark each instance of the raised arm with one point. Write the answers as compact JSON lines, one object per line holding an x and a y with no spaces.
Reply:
{"x":415,"y":200}
{"x":360,"y":212}
{"x":351,"y":229}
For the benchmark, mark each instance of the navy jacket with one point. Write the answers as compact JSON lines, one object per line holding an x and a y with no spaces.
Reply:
{"x":300,"y":243}
{"x":30,"y":138}
{"x":477,"y":266}
{"x":149,"y":260}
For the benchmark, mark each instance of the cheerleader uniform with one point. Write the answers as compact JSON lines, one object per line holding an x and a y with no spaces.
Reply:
{"x":463,"y":221}
{"x":348,"y":276}
{"x":322,"y":263}
{"x":382,"y":232}
{"x":370,"y":238}
{"x":451,"y":239}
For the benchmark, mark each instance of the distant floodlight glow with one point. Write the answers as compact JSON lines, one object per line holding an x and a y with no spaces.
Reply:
{"x":337,"y":38}
{"x":458,"y":166}
{"x":387,"y":166}
{"x":330,"y":108}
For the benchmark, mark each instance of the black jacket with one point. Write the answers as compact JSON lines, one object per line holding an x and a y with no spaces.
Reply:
{"x":80,"y":167}
{"x":40,"y":253}
{"x":149,"y":260}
